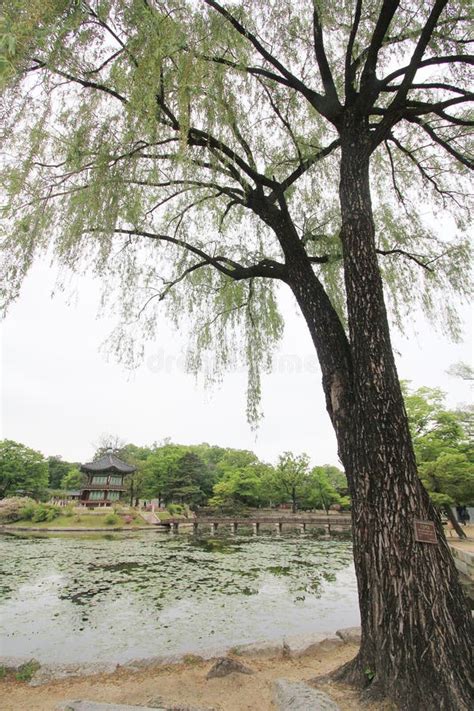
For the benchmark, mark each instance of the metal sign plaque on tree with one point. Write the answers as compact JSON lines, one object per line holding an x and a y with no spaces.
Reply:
{"x":425,"y":532}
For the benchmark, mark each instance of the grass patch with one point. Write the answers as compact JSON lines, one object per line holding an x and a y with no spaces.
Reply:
{"x":163,"y":515}
{"x":27,"y":670}
{"x":192,"y":659}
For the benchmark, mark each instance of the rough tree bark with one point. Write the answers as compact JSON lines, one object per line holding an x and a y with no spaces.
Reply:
{"x":416,"y":628}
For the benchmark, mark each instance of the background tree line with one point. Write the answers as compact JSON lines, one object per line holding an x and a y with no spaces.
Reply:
{"x":227,"y":478}
{"x":196,"y":475}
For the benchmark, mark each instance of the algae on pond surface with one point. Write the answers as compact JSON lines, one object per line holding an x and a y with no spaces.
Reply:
{"x":112,"y":598}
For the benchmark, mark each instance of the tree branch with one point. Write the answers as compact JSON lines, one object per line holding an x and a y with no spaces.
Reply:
{"x":392,"y":115}
{"x":317,"y":100}
{"x":350,"y":67}
{"x":394,"y":177}
{"x":83,"y":82}
{"x":325,"y":258}
{"x":266,"y":268}
{"x":447,"y":59}
{"x":302,"y":168}
{"x":322,"y":60}
{"x":388,"y":10}
{"x":444,"y":144}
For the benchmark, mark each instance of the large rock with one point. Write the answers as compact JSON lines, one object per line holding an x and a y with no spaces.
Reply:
{"x":226,"y":665}
{"x":53,"y":672}
{"x":298,"y":696}
{"x":259,"y":649}
{"x":300,"y":645}
{"x":81,"y":705}
{"x":351,"y":635}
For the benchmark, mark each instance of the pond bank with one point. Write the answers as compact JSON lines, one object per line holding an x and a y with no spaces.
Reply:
{"x":184,"y":683}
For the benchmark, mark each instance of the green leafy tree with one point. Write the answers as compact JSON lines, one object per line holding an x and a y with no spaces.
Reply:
{"x":204,"y":154}
{"x":290,"y":477}
{"x":320,"y":492}
{"x":57,"y":469}
{"x":73,"y":479}
{"x":22,"y":470}
{"x":243,"y":485}
{"x":444,"y":449}
{"x":335,"y":476}
{"x":183,"y":484}
{"x":159,"y":469}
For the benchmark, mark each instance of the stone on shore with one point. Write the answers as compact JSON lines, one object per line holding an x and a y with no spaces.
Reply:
{"x":82,"y":705}
{"x":225,"y":666}
{"x":265,"y":650}
{"x":53,"y":672}
{"x":298,"y":696}
{"x":351,"y":635}
{"x":301,"y":645}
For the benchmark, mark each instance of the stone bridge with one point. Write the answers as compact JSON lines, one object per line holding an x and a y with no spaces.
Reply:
{"x":328,"y":523}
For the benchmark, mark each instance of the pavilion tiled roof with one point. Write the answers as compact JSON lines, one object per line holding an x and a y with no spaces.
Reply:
{"x":106,"y":463}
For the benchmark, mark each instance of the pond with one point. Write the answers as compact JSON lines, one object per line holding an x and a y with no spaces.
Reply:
{"x":117,"y":597}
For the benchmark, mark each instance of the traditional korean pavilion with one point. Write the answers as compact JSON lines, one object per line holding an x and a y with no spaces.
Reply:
{"x":105,"y":480}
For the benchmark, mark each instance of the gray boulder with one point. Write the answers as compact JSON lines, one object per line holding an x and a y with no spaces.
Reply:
{"x":96,"y":706}
{"x":298,"y":696}
{"x":351,"y":635}
{"x":226,"y":665}
{"x":82,"y":705}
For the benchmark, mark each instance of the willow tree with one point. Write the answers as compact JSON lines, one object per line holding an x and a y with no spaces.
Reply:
{"x":199,"y":155}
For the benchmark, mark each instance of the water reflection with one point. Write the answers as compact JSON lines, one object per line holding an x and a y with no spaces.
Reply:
{"x":115,"y":597}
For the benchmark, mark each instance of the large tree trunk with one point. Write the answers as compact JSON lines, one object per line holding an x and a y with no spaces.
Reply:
{"x":416,"y":627}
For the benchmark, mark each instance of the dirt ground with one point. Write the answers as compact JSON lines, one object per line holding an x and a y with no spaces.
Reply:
{"x":186,"y":684}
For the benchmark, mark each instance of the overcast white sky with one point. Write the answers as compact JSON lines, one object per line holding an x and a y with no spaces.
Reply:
{"x":60,"y":393}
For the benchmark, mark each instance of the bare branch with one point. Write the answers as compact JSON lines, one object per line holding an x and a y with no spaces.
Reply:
{"x":254,"y":71}
{"x":302,"y":168}
{"x":387,"y":11}
{"x":417,"y":258}
{"x":266,"y":268}
{"x":431,"y":61}
{"x":431,"y":85}
{"x":350,"y":67}
{"x":111,"y":32}
{"x":105,"y":62}
{"x":448,"y":147}
{"x":283,"y":120}
{"x":322,"y":60}
{"x":398,"y":102}
{"x":409,"y":255}
{"x":394,"y":177}
{"x":424,"y":173}
{"x":317,"y":100}
{"x":83,"y":82}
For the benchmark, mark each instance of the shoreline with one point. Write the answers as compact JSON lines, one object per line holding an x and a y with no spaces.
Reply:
{"x":183,"y":682}
{"x":294,"y":646}
{"x":186,"y":684}
{"x":37,"y":529}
